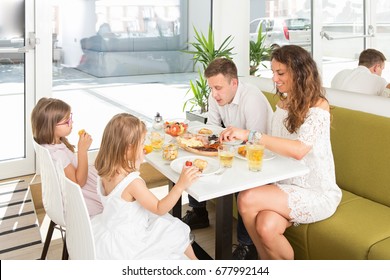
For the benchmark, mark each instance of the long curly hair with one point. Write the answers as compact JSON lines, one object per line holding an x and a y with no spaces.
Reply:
{"x":306,"y":83}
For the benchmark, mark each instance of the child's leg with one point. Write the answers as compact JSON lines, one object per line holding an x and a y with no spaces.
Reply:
{"x":189,"y":252}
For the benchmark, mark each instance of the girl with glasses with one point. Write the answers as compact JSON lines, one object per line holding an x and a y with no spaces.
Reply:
{"x":51,"y":121}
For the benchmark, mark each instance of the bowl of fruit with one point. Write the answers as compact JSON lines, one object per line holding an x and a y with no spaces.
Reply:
{"x":176,"y":127}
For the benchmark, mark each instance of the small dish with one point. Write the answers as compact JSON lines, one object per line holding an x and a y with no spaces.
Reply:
{"x":207,"y":129}
{"x":268,"y":155}
{"x":176,"y":127}
{"x":212,"y":164}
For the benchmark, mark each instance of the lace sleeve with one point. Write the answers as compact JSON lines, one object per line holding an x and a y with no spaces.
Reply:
{"x":314,"y":126}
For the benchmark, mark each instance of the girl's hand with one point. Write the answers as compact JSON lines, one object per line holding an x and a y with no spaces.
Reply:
{"x":233,"y":133}
{"x":189,"y":174}
{"x":85,"y":142}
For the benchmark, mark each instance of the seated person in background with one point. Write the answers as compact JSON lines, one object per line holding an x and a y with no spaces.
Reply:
{"x":366,"y":78}
{"x":232,"y":103}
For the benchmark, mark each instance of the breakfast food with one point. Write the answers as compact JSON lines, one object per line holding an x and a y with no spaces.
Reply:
{"x":190,"y":142}
{"x":200,"y":164}
{"x":242,"y":151}
{"x":205,"y":131}
{"x":81,"y":132}
{"x":148,"y":149}
{"x":170,"y":152}
{"x":199,"y":144}
{"x":175,"y":128}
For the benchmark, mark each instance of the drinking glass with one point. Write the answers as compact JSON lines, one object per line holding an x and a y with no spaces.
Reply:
{"x":226,"y":155}
{"x":254,"y":155}
{"x":157,"y":140}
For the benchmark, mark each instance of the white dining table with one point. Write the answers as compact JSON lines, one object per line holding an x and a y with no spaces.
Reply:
{"x":222,"y":187}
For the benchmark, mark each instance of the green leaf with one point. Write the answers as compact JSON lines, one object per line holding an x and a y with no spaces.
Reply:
{"x":204,"y":52}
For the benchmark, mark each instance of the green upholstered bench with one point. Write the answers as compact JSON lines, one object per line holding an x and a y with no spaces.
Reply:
{"x":360,"y":228}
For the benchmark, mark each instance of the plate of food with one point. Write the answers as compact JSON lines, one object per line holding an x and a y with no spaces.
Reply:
{"x":198,"y":144}
{"x":206,"y":130}
{"x":206,"y":165}
{"x":241,"y":153}
{"x":176,"y":127}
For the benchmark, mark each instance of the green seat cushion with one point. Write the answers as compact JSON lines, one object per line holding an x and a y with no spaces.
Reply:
{"x":380,"y":250}
{"x":361,"y":151}
{"x":356,"y":226}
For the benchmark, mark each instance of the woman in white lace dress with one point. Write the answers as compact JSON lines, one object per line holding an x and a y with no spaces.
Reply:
{"x":301,"y":130}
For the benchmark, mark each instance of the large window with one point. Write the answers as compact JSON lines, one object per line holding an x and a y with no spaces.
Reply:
{"x":124,"y":37}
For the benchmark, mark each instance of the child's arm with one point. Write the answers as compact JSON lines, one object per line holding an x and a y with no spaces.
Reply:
{"x":79,"y":175}
{"x":138,"y":190}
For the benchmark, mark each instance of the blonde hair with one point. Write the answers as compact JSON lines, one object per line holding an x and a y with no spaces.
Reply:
{"x":121,"y":137}
{"x":47,"y":113}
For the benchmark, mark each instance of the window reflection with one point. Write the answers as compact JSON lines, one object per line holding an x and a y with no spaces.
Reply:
{"x":283,"y":22}
{"x":126,"y":37}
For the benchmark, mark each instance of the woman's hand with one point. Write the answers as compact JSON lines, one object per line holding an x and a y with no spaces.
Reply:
{"x":85,"y":142}
{"x":233,"y":133}
{"x":189,"y":174}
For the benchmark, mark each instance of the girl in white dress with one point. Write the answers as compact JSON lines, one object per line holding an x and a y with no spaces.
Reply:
{"x":301,"y":130}
{"x":134,"y":223}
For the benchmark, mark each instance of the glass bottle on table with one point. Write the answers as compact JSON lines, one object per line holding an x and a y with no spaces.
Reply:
{"x":157,"y":134}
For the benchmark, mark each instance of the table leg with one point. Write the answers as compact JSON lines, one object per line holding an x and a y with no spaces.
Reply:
{"x":223,"y":227}
{"x":176,"y":210}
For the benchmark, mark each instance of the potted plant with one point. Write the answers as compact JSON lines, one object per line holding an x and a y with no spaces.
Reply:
{"x":205,"y":52}
{"x":258,"y":52}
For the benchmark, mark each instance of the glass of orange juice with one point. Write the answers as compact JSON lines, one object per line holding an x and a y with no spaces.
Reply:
{"x":157,"y":140}
{"x":254,"y":155}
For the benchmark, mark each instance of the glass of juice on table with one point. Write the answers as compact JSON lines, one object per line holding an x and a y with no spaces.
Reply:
{"x":254,"y":155}
{"x":157,"y":140}
{"x":226,"y":155}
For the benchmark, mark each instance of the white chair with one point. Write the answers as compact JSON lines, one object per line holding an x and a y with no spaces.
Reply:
{"x":79,"y":236}
{"x":52,"y":198}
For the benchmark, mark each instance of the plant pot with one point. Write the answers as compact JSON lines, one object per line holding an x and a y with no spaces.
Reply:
{"x":196,"y":116}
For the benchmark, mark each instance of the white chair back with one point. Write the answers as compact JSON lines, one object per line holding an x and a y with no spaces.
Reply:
{"x":51,"y":188}
{"x":79,"y":235}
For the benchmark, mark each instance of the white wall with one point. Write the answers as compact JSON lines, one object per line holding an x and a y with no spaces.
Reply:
{"x":231,"y":17}
{"x":377,"y":105}
{"x":77,"y":21}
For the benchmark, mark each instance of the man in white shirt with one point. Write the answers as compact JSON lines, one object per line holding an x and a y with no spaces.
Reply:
{"x":366,"y":78}
{"x":231,"y":103}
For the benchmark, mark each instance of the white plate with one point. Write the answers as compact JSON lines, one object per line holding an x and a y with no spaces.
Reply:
{"x":234,"y":143}
{"x":212,"y":166}
{"x":266,"y":156}
{"x":215,"y":129}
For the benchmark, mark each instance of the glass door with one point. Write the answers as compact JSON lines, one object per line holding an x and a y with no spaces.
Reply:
{"x":17,"y":43}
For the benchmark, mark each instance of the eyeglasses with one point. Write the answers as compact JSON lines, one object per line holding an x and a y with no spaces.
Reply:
{"x":68,"y":121}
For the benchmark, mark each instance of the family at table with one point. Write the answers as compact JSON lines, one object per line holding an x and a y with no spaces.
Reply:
{"x":134,"y":224}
